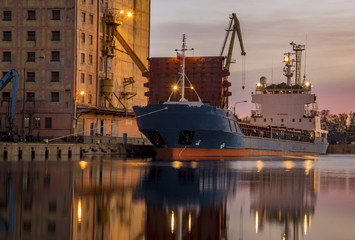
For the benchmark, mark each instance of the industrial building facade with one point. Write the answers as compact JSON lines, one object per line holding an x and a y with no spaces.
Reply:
{"x":77,"y":66}
{"x":206,"y":75}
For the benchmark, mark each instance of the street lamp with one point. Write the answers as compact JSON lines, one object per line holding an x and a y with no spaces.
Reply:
{"x":24,"y":99}
{"x":237,"y":103}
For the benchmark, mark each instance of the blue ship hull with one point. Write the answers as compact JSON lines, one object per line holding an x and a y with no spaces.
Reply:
{"x":193,"y":131}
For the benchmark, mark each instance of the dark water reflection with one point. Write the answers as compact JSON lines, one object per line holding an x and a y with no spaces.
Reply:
{"x":256,"y":199}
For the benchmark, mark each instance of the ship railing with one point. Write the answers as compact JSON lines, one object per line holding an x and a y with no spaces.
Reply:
{"x":275,"y":132}
{"x":254,"y":130}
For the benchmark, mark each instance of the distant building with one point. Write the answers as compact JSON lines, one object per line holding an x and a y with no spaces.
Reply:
{"x":64,"y":48}
{"x":206,"y":74}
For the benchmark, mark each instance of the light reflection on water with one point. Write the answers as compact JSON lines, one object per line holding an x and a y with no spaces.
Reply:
{"x":263,"y":198}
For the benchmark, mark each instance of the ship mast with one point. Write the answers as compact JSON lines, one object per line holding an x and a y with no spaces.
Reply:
{"x":182,"y":70}
{"x":183,"y":76}
{"x":298,"y":50}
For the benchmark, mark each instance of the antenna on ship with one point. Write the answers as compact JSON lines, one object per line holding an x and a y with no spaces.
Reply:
{"x":305,"y":63}
{"x":183,"y":50}
{"x":182,"y":72}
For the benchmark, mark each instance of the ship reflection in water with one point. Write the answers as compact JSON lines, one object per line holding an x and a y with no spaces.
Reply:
{"x":304,"y":199}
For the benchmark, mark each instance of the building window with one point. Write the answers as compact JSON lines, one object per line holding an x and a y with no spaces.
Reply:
{"x":90,"y":59}
{"x":264,"y":119}
{"x":83,"y":37}
{"x":89,"y":98}
{"x":55,"y":56}
{"x":6,"y":56}
{"x":91,"y":39}
{"x":54,"y":96}
{"x":282,"y":120}
{"x":55,"y":14}
{"x":84,"y":1}
{"x":27,"y":122}
{"x":91,"y":1}
{"x":31,"y":77}
{"x":7,"y":16}
{"x":37,"y":122}
{"x":82,"y":78}
{"x":30,"y":96}
{"x":300,"y":120}
{"x":31,"y":15}
{"x":310,"y":120}
{"x":271,"y":120}
{"x":83,"y":17}
{"x":90,"y":79}
{"x":31,"y":36}
{"x":293,"y":120}
{"x":48,"y":122}
{"x":55,"y":35}
{"x":91,"y":19}
{"x":7,"y":36}
{"x":6,"y":96}
{"x":31,"y":56}
{"x":83,"y":58}
{"x":54,"y":76}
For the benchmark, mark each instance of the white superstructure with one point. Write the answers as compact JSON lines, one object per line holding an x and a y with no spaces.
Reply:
{"x":287,"y":105}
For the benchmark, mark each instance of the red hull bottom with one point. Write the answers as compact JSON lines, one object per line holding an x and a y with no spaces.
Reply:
{"x":214,"y":154}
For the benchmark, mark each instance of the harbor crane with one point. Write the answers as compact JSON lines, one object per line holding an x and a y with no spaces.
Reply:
{"x":11,"y":75}
{"x":113,"y":19}
{"x":234,"y":27}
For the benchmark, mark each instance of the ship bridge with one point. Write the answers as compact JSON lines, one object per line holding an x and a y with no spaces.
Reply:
{"x":289,"y":104}
{"x":284,"y":105}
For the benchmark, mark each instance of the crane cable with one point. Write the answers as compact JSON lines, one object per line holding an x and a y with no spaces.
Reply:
{"x":244,"y":60}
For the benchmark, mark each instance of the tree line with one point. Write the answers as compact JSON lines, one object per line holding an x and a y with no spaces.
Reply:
{"x":337,"y":125}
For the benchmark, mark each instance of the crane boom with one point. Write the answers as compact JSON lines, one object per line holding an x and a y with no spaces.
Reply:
{"x":130,"y":51}
{"x":234,"y":29}
{"x":11,"y":75}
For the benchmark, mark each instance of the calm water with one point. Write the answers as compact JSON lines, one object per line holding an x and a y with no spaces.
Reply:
{"x":263,"y":198}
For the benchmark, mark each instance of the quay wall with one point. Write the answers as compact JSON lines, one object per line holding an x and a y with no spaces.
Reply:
{"x":341,"y":149}
{"x":74,"y":151}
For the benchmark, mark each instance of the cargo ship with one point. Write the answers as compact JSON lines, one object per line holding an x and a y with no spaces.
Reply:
{"x":285,"y":121}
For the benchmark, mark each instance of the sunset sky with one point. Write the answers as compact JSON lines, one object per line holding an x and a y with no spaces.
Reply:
{"x":327,"y":27}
